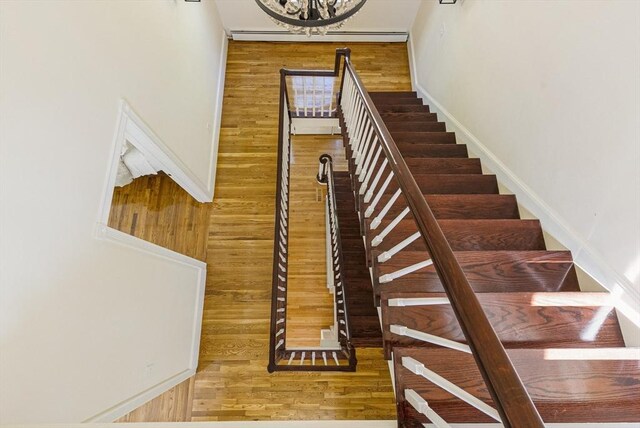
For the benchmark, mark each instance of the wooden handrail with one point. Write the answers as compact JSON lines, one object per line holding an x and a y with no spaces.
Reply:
{"x":275,"y":281}
{"x":505,"y":386}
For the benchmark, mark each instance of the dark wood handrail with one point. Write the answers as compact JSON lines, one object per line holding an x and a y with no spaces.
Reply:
{"x":275,"y":282}
{"x":505,"y":386}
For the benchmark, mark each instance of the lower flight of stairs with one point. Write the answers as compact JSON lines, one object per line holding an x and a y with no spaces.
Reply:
{"x":364,"y":322}
{"x":566,"y":345}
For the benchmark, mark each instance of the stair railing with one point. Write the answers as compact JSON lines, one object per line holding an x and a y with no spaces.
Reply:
{"x":375,"y":161}
{"x":325,"y":175}
{"x":281,"y":356}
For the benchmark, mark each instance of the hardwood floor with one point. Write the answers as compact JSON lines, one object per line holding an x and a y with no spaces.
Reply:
{"x":232,"y":382}
{"x":156,"y":209}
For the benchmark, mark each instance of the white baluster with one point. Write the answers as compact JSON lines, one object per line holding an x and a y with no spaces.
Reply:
{"x":347,"y":100}
{"x":291,"y":357}
{"x":304,"y":95}
{"x":376,"y":221}
{"x":295,"y":96}
{"x":358,"y":123}
{"x":369,"y":194}
{"x":418,"y":368}
{"x":367,"y":160}
{"x":331,"y":99}
{"x":365,"y":146}
{"x":370,"y":168}
{"x":313,"y":97}
{"x":302,"y":358}
{"x":379,"y":238}
{"x":359,"y":138}
{"x":280,"y":343}
{"x":422,"y":406}
{"x":335,"y":358}
{"x":429,"y":338}
{"x":383,"y":188}
{"x":398,"y":247}
{"x":404,"y":271}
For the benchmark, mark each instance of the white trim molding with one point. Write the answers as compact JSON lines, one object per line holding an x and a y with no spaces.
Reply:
{"x":331,"y":36}
{"x":131,"y":129}
{"x":585,"y":256}
{"x":120,"y":238}
{"x":217,"y":119}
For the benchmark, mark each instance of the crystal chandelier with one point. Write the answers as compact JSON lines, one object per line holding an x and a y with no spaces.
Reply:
{"x":311,"y":16}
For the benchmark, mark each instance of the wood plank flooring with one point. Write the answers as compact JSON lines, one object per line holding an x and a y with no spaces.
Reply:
{"x":232,"y":382}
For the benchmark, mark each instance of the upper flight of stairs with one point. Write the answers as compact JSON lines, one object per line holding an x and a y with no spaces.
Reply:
{"x":566,"y":345}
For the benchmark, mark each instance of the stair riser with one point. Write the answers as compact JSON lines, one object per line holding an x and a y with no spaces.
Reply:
{"x":432,"y":137}
{"x":397,"y":101}
{"x":387,"y":108}
{"x":414,"y":126}
{"x":409,"y":116}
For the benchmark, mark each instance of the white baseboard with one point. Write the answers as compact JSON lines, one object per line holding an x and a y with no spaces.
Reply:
{"x":585,"y":256}
{"x":120,"y":238}
{"x":307,"y":126}
{"x":331,"y":36}
{"x":121,"y":409}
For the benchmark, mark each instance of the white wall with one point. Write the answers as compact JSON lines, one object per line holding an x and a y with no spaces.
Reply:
{"x":86,"y":324}
{"x":375,"y":15}
{"x":548,"y":92}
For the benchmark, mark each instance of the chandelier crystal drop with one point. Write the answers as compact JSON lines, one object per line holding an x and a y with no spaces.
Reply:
{"x":311,"y":17}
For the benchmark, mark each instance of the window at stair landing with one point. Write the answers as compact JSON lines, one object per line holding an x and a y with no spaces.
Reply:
{"x":312,"y":96}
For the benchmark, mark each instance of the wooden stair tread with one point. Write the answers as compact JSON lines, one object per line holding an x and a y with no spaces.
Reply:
{"x":397,"y":101}
{"x":416,"y":126}
{"x":472,"y":235}
{"x":415,"y":140}
{"x":521,"y":319}
{"x":487,"y":271}
{"x":401,"y":108}
{"x":566,"y":385}
{"x":460,"y":206}
{"x":376,"y":94}
{"x":432,"y":184}
{"x":435,"y":150}
{"x":408,"y":116}
{"x":444,"y":166}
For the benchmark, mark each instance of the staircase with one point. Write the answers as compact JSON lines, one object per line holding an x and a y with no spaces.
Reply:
{"x":363,"y":316}
{"x":565,"y":345}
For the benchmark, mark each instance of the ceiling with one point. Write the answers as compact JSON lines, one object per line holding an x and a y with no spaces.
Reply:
{"x":375,"y":16}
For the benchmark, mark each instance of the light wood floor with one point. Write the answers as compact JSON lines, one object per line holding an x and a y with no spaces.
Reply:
{"x":232,"y":382}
